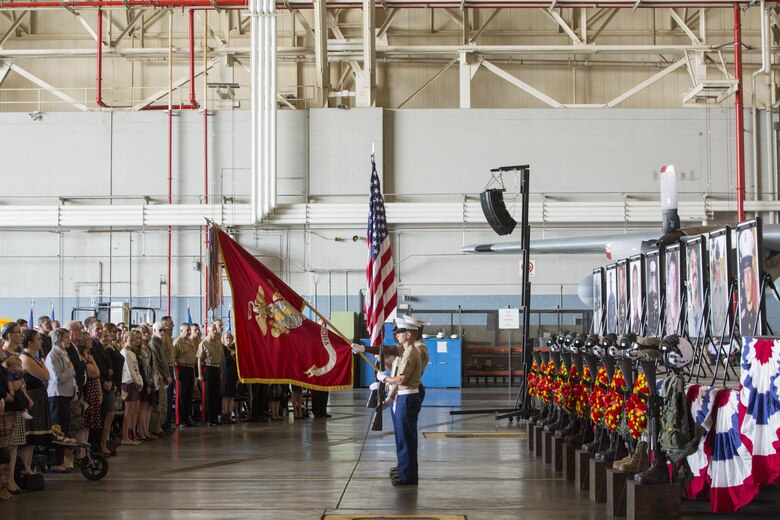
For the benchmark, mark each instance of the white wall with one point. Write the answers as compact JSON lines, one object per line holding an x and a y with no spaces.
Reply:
{"x":323,"y":155}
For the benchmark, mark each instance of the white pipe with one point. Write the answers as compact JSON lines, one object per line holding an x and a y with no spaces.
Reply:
{"x":272,"y":145}
{"x":754,"y":110}
{"x":266,"y":113}
{"x":256,"y":209}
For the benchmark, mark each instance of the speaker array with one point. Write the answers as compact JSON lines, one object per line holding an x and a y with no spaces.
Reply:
{"x":495,"y":211}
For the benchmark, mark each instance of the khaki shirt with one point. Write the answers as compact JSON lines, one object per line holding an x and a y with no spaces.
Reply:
{"x":211,"y":352}
{"x":410,"y":367}
{"x":424,"y":357}
{"x":184,"y":351}
{"x":168,"y":349}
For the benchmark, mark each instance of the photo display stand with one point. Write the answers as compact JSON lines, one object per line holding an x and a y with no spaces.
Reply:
{"x":623,"y":296}
{"x":599,"y":314}
{"x":637,"y":295}
{"x":674,"y":292}
{"x":723,"y":288}
{"x":750,"y":268}
{"x":654,"y":292}
{"x":611,"y":300}
{"x":697,"y":294}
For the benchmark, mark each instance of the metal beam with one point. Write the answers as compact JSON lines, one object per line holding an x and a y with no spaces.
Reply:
{"x":176,"y":84}
{"x":11,"y":17}
{"x":129,"y":28}
{"x":211,"y":31}
{"x":5,"y":68}
{"x":333,"y":24}
{"x":391,"y":14}
{"x":481,"y":30}
{"x":47,"y":87}
{"x":83,"y":22}
{"x":521,"y":85}
{"x":681,"y":23}
{"x":668,"y":70}
{"x":322,"y":76}
{"x":11,"y":30}
{"x":552,"y":13}
{"x":434,"y":78}
{"x":458,"y":19}
{"x":603,"y":25}
{"x":302,"y":20}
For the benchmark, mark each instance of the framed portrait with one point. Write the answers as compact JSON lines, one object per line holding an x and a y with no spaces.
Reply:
{"x":674,"y":270}
{"x":696,"y":281}
{"x":622,"y":296}
{"x":611,"y":307}
{"x":598,"y":301}
{"x":750,"y":265}
{"x":721,"y":269}
{"x":654,"y":288}
{"x":636,"y":292}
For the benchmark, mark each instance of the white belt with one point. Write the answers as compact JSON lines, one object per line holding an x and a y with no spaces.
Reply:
{"x":409,"y":391}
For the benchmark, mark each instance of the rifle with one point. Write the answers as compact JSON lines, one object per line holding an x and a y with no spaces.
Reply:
{"x":376,"y":426}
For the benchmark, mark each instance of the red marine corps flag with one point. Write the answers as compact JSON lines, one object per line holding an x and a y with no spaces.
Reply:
{"x":275,"y":342}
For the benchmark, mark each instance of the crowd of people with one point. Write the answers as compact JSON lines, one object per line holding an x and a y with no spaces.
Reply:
{"x":110,"y":385}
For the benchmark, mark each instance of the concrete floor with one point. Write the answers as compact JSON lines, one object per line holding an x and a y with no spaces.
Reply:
{"x":304,"y":469}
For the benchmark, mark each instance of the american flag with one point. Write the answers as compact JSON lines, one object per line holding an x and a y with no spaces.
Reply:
{"x":381,"y":296}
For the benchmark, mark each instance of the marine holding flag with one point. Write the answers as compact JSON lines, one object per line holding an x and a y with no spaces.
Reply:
{"x":275,"y":342}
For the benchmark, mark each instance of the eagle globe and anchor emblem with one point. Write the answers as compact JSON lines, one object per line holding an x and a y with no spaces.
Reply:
{"x":281,"y":317}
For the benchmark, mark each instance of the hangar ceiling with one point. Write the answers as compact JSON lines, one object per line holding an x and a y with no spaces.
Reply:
{"x":434,"y":54}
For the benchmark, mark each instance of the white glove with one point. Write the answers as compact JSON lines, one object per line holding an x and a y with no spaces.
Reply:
{"x":356,"y":348}
{"x":373,"y":386}
{"x":381,"y":376}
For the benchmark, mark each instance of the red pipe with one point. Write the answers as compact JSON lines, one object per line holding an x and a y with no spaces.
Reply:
{"x":740,"y":123}
{"x":193,"y":103}
{"x":170,"y":199}
{"x":241,"y":4}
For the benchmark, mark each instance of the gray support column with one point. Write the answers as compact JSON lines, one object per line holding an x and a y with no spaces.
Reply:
{"x":322,"y":79}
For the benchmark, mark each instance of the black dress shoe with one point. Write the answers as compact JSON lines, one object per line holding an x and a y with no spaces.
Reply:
{"x":398,"y":482}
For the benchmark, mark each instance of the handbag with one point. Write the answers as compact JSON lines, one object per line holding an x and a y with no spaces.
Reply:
{"x":5,"y":453}
{"x":32,"y":482}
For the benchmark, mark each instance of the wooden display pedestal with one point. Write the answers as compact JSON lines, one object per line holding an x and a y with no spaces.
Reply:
{"x":616,"y":492}
{"x":568,"y":461}
{"x":557,"y":453}
{"x":538,"y":430}
{"x":653,"y":501}
{"x":598,"y":480}
{"x":531,"y":437}
{"x":547,"y":438}
{"x":582,"y":469}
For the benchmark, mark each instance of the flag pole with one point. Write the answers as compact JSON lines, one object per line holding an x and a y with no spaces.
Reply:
{"x":339,"y":334}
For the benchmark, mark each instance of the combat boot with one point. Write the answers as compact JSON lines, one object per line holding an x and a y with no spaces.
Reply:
{"x":551,"y":418}
{"x":658,"y":473}
{"x":616,"y":451}
{"x":559,"y":424}
{"x":572,"y":428}
{"x":599,"y":442}
{"x":638,"y":462}
{"x":585,"y":436}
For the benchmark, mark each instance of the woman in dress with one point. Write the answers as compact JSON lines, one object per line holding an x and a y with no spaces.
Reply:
{"x":131,"y":384}
{"x":145,"y":361}
{"x":93,"y":394}
{"x":229,"y":377}
{"x":36,"y":377}
{"x":6,"y":423}
{"x":17,"y":434}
